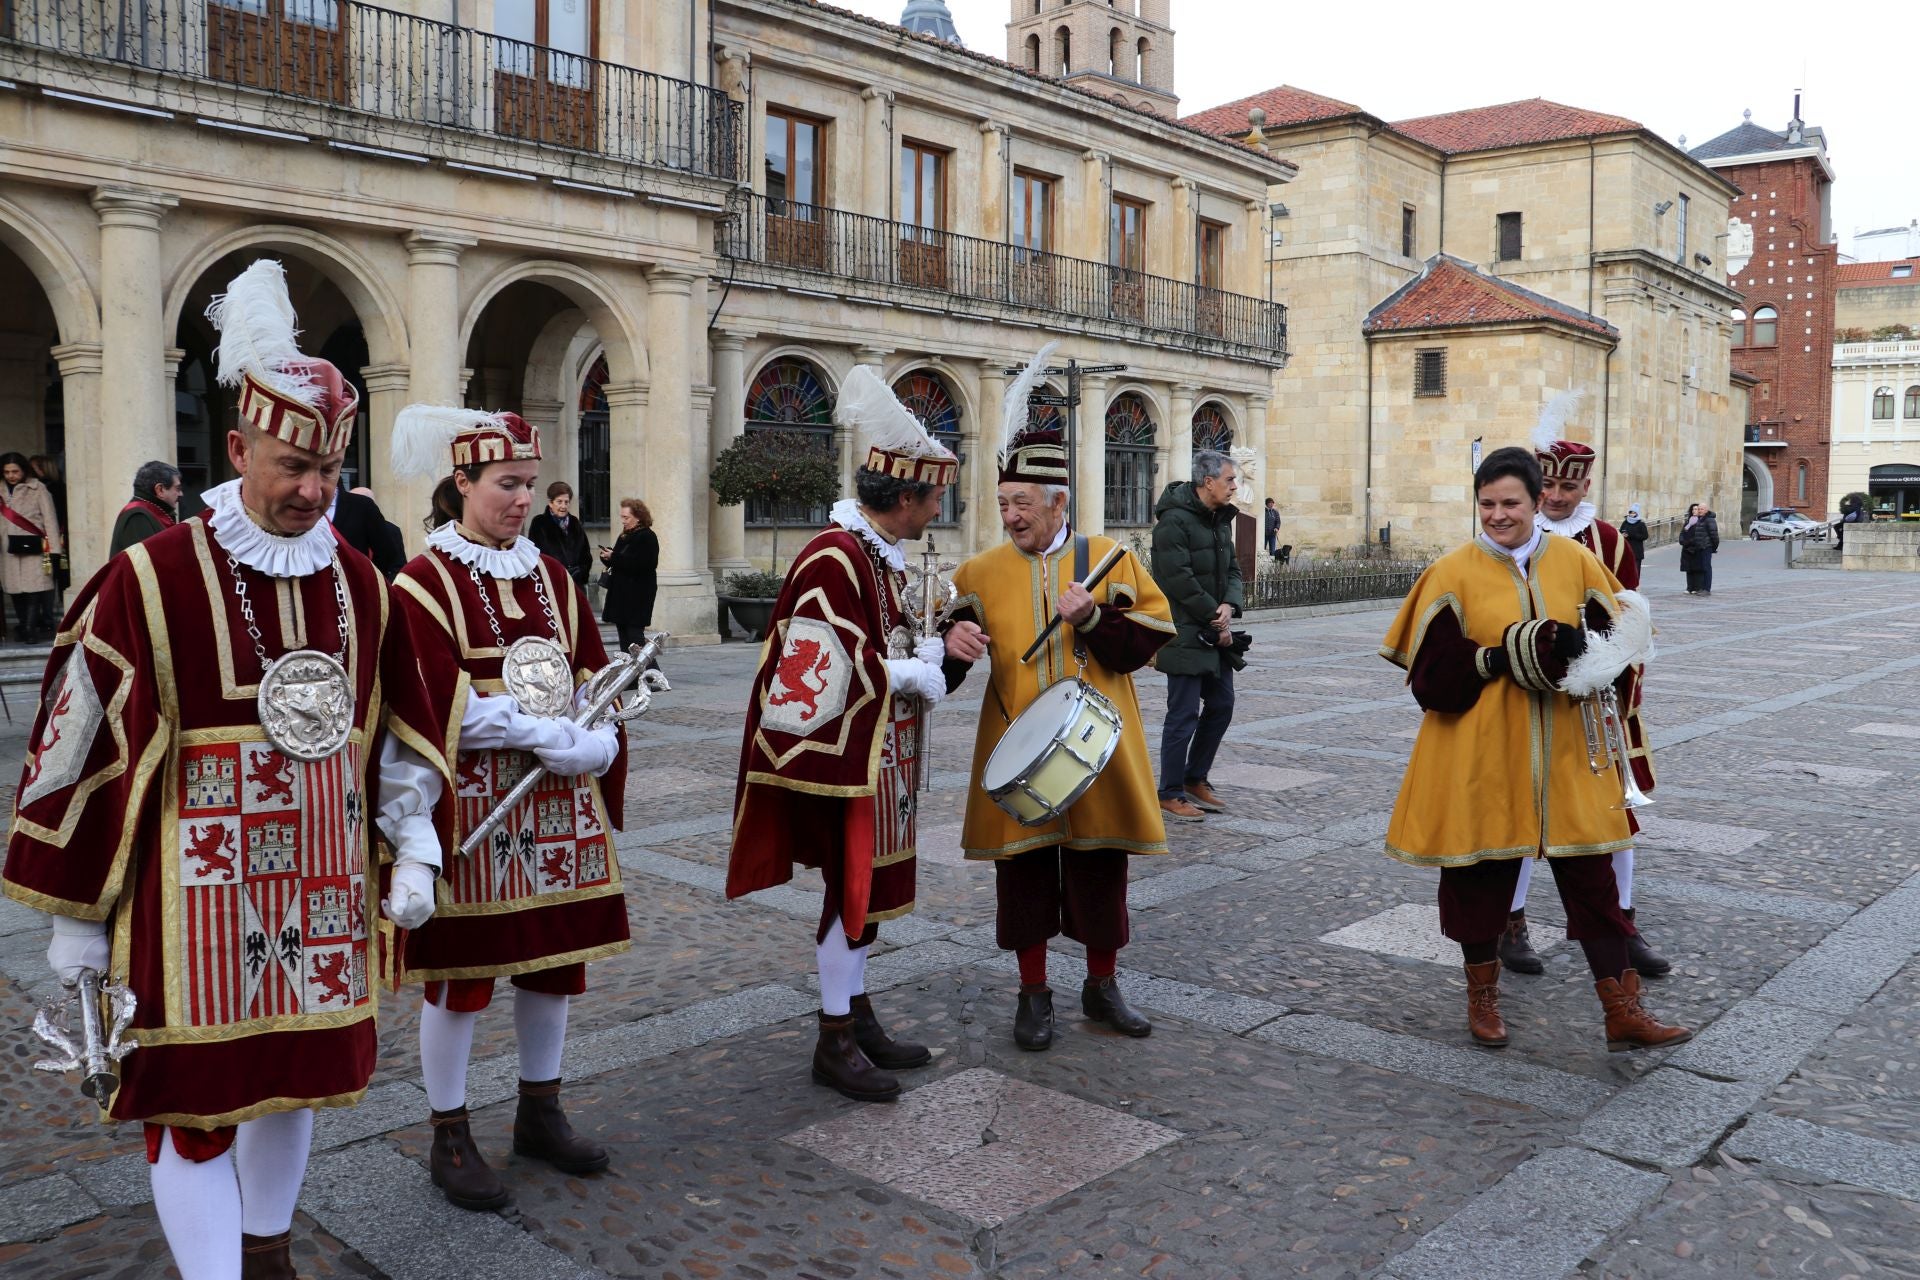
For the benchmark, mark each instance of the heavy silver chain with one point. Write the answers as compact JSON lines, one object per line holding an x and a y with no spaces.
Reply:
{"x":253,"y":624}
{"x":493,"y":619}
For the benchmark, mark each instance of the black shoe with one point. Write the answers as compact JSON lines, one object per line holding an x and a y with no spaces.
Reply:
{"x":1033,"y":1020}
{"x":1647,"y":962}
{"x":1101,"y":1001}
{"x":883,"y":1050}
{"x":458,"y":1168}
{"x":839,"y":1064}
{"x":541,"y":1132}
{"x":1516,"y":948}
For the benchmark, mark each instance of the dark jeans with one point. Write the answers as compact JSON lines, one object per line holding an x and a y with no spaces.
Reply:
{"x":1701,"y":579}
{"x":1191,"y":737}
{"x":630,"y":634}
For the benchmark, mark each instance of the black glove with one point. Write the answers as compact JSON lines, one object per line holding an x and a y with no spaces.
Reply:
{"x":1569,"y":641}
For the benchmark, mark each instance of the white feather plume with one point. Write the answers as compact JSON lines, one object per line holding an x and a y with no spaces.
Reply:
{"x":1552,"y":426}
{"x":867,"y":406}
{"x":255,"y":319}
{"x":423,"y":437}
{"x":1014,"y":411}
{"x":1628,"y":643}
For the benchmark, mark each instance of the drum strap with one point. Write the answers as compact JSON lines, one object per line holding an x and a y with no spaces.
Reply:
{"x":1079,"y":575}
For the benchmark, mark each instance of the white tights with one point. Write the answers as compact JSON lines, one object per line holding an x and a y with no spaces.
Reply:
{"x":843,"y":971}
{"x":204,"y":1206}
{"x":446,"y":1045}
{"x":1622,"y":880}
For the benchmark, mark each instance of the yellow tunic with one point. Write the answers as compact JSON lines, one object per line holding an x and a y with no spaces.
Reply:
{"x":1011,"y":594}
{"x":1509,"y":777}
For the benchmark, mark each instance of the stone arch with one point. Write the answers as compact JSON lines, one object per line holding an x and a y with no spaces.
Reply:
{"x":76,"y":309}
{"x":1155,"y":401}
{"x":1235,"y":427}
{"x":831,"y":372}
{"x":956,"y":383}
{"x":368,"y":292}
{"x":619,"y":329}
{"x":1762,"y":481}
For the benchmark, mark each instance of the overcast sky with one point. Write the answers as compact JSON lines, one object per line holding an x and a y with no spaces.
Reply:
{"x":1678,"y":67}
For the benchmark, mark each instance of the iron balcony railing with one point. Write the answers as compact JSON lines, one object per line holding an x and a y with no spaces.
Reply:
{"x":853,"y":248}
{"x":399,"y":68}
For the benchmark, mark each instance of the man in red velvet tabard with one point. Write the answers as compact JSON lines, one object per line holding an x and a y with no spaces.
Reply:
{"x":505,"y":640}
{"x":194,"y":807}
{"x":1567,"y":469}
{"x":831,"y":755}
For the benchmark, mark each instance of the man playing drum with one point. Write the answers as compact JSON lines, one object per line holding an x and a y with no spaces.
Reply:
{"x":832,"y":749}
{"x":1059,"y":870}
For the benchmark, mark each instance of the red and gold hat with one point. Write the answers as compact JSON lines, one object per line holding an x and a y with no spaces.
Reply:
{"x":1561,"y":459}
{"x":431,"y":439}
{"x":897,"y":445}
{"x":1037,"y":456}
{"x":302,"y":400}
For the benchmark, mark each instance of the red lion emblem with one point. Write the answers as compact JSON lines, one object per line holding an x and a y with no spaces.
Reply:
{"x":554,"y":865}
{"x":806,"y":660}
{"x":274,"y":776}
{"x":49,"y":736}
{"x":473,"y":771}
{"x":330,"y":972}
{"x":206,"y":849}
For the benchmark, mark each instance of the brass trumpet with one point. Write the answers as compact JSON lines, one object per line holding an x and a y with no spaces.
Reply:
{"x":1607,"y":746}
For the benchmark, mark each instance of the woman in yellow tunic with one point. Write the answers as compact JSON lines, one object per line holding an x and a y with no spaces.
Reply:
{"x":1490,"y":637}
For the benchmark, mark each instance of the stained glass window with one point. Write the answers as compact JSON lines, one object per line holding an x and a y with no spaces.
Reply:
{"x":1130,"y":440}
{"x":789,"y":395}
{"x":928,"y":399}
{"x":1211,"y":429}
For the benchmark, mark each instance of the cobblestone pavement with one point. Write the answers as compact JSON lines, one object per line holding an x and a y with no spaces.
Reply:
{"x":1308,"y":1104}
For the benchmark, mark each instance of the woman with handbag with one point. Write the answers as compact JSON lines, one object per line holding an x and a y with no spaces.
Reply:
{"x":32,"y":530}
{"x":632,"y":577}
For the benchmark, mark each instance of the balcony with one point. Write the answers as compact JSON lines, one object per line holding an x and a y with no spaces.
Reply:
{"x":780,"y":241}
{"x":1765,"y":438}
{"x":372,"y":77}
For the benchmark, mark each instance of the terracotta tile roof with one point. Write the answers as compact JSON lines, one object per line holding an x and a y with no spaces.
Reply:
{"x":1283,"y":104}
{"x":1863,"y":275}
{"x":1511,"y":124}
{"x":1449,"y":293}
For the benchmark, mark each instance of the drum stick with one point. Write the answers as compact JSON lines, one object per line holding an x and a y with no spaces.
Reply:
{"x":1100,"y":571}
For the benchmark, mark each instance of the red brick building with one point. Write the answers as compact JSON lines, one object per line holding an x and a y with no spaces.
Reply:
{"x":1781,"y":254}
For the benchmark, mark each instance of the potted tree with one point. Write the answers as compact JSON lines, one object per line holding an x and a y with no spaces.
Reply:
{"x":775,"y":467}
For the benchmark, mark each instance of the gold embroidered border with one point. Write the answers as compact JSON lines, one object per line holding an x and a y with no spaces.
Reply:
{"x":181,"y":1120}
{"x":514,"y":906}
{"x":891,"y":913}
{"x":586,"y":955}
{"x":1043,"y":839}
{"x":898,"y":856}
{"x":329,"y":1020}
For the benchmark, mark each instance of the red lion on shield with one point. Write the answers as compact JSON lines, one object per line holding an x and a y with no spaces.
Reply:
{"x":807,"y":659}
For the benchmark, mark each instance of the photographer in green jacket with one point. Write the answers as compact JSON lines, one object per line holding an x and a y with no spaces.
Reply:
{"x":1195,"y":564}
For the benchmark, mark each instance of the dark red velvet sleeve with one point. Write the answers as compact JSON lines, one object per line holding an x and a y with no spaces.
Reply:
{"x":1444,"y":676}
{"x":1120,"y":644}
{"x":954,"y":669}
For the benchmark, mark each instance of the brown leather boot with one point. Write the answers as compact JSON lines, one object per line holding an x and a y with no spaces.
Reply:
{"x":1629,"y":1026}
{"x":458,"y":1169}
{"x":1484,"y":1023}
{"x":267,"y":1257}
{"x":883,"y":1050}
{"x":541,"y":1131}
{"x":839,"y":1064}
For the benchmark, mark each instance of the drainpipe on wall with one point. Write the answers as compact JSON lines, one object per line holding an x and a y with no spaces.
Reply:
{"x":1366,"y":501}
{"x":1606,"y":422}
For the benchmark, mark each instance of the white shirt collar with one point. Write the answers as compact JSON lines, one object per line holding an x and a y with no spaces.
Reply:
{"x":846,"y":514}
{"x":516,"y":561}
{"x":1521,"y":555}
{"x":1059,"y":539}
{"x":1572,"y":527}
{"x":241,"y":537}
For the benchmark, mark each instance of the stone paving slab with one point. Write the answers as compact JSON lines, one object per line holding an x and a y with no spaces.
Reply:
{"x":1830,"y":1155}
{"x":1670,"y":1118}
{"x":1840,"y":973}
{"x":31,"y":1210}
{"x":1755,"y":1041}
{"x":1222,"y":1009}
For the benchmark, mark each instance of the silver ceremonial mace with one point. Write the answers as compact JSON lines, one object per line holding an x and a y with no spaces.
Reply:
{"x":99,"y":1048}
{"x":929,"y":618}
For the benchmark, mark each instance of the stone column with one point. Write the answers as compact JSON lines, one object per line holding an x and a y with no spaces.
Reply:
{"x":1185,"y":206}
{"x":727,"y":526}
{"x":845,"y":446}
{"x":876,"y":153}
{"x":387,"y":387}
{"x":686,"y":601}
{"x":434,"y":374}
{"x":94,"y":497}
{"x":1179,"y":433}
{"x":627,"y":405}
{"x":1090,"y":460}
{"x":1089,"y":231}
{"x":981,"y":476}
{"x":135,"y":401}
{"x":1256,"y":439}
{"x":994,"y":209}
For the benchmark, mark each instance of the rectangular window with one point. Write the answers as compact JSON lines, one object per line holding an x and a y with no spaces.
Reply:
{"x":1210,"y":255}
{"x":795,"y":145}
{"x":1902,"y":273}
{"x":1407,"y":228}
{"x":1032,"y":212}
{"x":1680,"y":232}
{"x":1509,"y":237}
{"x":1127,"y":234}
{"x":1800,"y":483}
{"x":923,"y":188}
{"x":1430,"y":371}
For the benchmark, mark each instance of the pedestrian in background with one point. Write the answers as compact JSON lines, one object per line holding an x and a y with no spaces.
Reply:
{"x":1272,"y":519}
{"x":32,"y":529}
{"x":155,"y":505}
{"x":358,"y":519}
{"x":47,"y":471}
{"x":559,"y":533}
{"x":1699,"y":539}
{"x":633,"y":563}
{"x":1195,"y":564}
{"x":1634,"y":530}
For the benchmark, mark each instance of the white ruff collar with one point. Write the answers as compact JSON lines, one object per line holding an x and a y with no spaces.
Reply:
{"x":241,"y":537}
{"x":846,"y":514}
{"x":516,"y":561}
{"x":1572,"y":527}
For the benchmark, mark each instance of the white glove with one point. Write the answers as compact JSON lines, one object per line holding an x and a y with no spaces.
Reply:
{"x":921,"y":679}
{"x":584,"y":751}
{"x":78,"y":944}
{"x":409,"y":894}
{"x":932,"y":651}
{"x":496,"y":721}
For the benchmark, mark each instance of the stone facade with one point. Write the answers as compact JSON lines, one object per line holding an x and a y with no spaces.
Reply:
{"x":1876,"y":425}
{"x":1119,"y":50}
{"x":1881,"y":547}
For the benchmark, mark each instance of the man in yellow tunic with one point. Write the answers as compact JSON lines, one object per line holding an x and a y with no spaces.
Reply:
{"x":1067,"y":875}
{"x":1499,"y":638}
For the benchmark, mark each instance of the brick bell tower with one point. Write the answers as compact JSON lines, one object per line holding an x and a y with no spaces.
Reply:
{"x":1121,"y":49}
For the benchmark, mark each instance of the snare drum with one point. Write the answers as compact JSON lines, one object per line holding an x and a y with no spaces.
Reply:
{"x":1052,"y":752}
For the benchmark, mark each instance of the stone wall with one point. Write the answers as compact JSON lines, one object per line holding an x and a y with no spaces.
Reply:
{"x":1882,"y":548}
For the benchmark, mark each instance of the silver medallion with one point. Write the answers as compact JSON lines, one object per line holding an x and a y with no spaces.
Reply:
{"x":536,"y":673}
{"x":306,"y":705}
